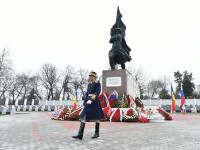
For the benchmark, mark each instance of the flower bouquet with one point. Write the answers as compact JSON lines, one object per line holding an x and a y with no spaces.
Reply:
{"x":63,"y":114}
{"x":143,"y":117}
{"x":57,"y":114}
{"x":138,"y":102}
{"x":75,"y":115}
{"x":113,"y":99}
{"x":121,"y":102}
{"x":165,"y":114}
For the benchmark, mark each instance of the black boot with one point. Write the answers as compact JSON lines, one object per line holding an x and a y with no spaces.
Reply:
{"x":96,"y":135}
{"x":80,"y":132}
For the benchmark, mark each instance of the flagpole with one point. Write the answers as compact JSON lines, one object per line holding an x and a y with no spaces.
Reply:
{"x":171,"y":99}
{"x":171,"y":107}
{"x":181,"y":100}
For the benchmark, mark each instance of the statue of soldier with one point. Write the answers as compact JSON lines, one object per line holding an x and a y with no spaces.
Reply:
{"x":120,"y":52}
{"x":92,"y":107}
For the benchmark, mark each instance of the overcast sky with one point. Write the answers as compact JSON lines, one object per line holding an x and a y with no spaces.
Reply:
{"x":164,"y":35}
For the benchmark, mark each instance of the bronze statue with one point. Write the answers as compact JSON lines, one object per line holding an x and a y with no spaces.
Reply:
{"x":119,"y":54}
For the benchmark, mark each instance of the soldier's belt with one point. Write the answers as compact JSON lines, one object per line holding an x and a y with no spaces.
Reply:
{"x":90,"y":95}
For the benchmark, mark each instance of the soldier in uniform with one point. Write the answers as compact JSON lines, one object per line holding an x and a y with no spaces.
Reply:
{"x":92,"y":107}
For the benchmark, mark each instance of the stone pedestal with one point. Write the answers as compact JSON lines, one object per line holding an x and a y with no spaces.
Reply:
{"x":121,"y":81}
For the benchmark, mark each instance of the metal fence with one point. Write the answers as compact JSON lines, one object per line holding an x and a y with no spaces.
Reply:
{"x":159,"y":102}
{"x":148,"y":102}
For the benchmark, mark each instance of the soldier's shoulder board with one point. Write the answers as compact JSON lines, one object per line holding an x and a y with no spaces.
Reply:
{"x":97,"y":81}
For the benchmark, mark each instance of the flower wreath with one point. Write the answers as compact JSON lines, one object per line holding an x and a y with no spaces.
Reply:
{"x":130,"y":115}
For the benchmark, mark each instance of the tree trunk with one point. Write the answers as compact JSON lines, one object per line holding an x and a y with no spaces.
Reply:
{"x":64,"y":93}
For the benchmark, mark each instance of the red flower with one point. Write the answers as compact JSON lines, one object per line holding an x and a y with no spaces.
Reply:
{"x":165,"y":114}
{"x":116,"y":116}
{"x":129,"y":112}
{"x":105,"y":111}
{"x":103,"y":99}
{"x":113,"y":103}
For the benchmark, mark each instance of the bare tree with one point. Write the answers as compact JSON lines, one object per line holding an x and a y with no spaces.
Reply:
{"x":154,"y":87}
{"x":141,"y":77}
{"x":49,"y":77}
{"x":75,"y":84}
{"x":4,"y":59}
{"x":80,"y":81}
{"x":25,"y":80}
{"x":166,"y":80}
{"x":5,"y":83}
{"x":164,"y":92}
{"x":16,"y":88}
{"x":6,"y":73}
{"x":67,"y":80}
{"x":37,"y":85}
{"x":83,"y":80}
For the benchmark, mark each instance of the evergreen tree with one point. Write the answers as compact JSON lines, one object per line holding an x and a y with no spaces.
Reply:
{"x":164,"y":94}
{"x":188,"y":85}
{"x":178,"y":80}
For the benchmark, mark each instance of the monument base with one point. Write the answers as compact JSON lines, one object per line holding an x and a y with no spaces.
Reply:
{"x":121,"y":81}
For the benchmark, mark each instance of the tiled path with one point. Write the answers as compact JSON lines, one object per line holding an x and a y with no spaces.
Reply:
{"x":36,"y":130}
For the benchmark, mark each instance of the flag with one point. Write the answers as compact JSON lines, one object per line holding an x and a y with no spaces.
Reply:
{"x":85,"y":95}
{"x":75,"y":100}
{"x":107,"y":102}
{"x":113,"y":95}
{"x":182,"y":97}
{"x":173,"y":99}
{"x":118,"y":24}
{"x":182,"y":101}
{"x":108,"y":105}
{"x":131,"y":101}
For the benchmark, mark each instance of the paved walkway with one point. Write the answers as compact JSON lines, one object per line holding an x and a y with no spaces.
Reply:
{"x":35,"y":130}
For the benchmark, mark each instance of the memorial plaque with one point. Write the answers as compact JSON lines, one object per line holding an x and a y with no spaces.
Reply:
{"x":113,"y":81}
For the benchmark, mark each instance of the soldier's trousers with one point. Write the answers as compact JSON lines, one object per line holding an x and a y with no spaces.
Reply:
{"x":84,"y":120}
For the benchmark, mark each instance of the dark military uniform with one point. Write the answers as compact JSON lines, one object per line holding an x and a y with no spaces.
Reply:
{"x":93,"y":111}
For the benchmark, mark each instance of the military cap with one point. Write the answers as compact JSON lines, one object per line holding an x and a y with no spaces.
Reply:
{"x":92,"y":73}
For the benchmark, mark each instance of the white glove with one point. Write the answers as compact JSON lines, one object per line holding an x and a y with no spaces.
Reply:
{"x":89,"y":102}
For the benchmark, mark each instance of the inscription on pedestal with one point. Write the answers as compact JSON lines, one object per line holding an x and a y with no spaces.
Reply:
{"x":113,"y":81}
